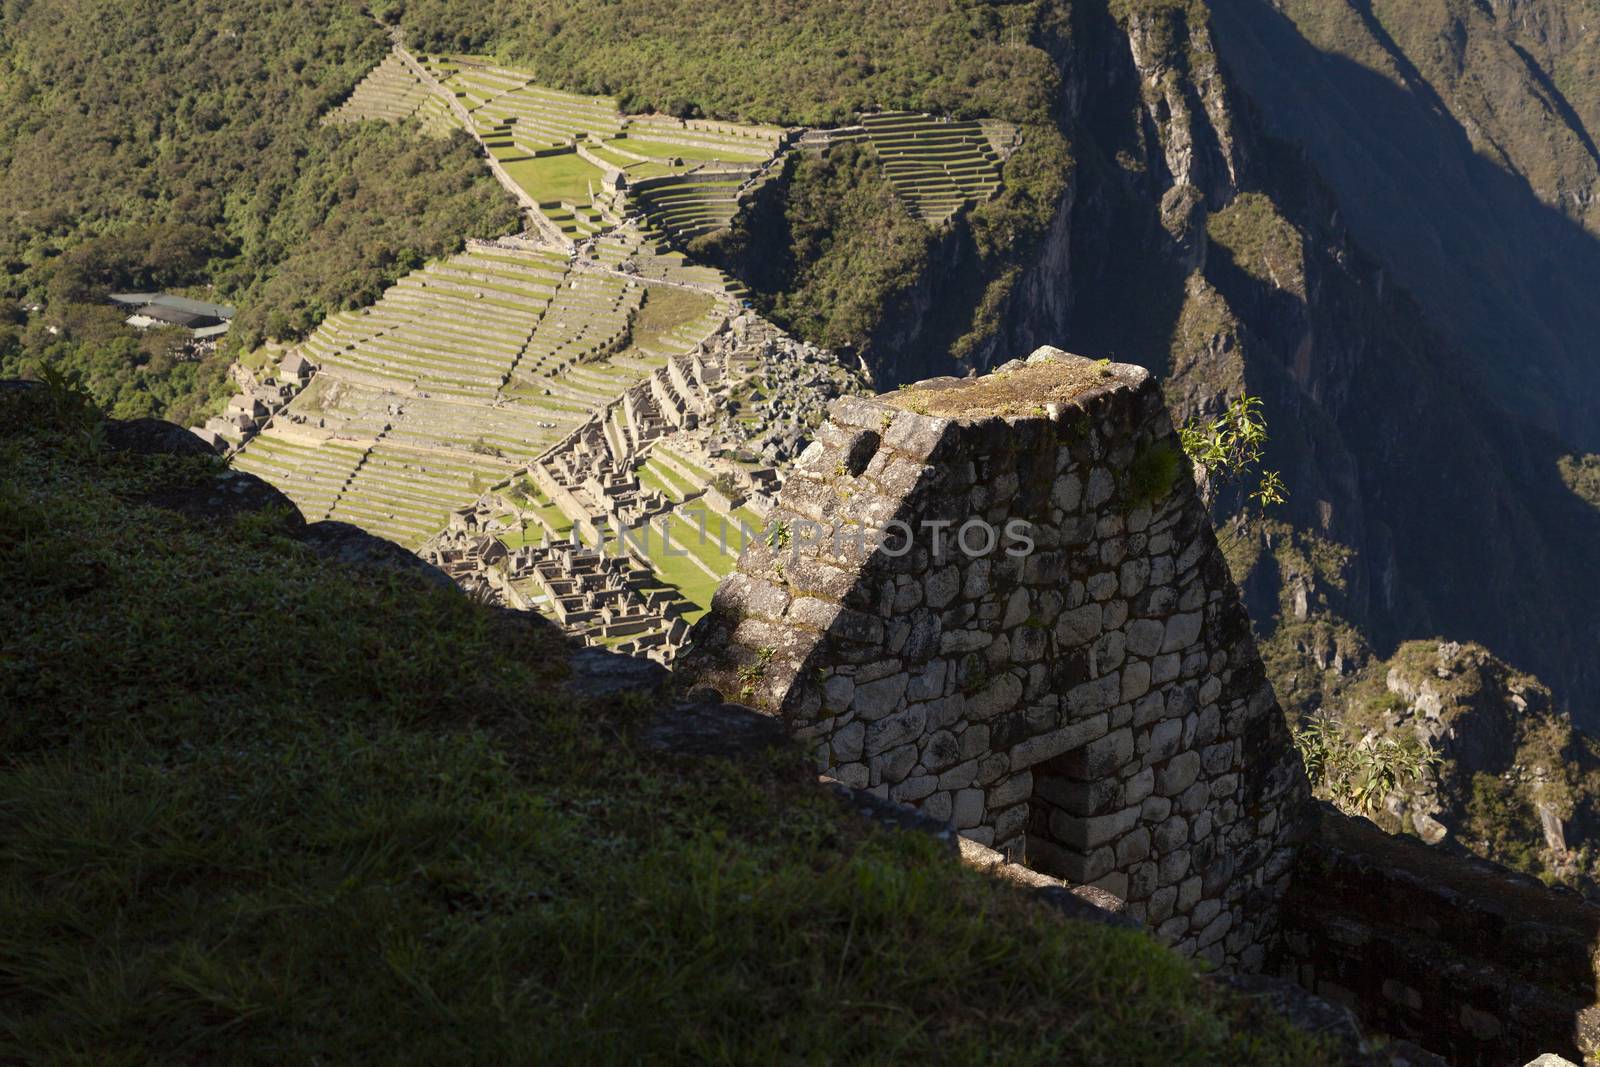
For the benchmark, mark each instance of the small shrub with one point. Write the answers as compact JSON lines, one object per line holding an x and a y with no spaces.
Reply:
{"x":1358,"y":776}
{"x":1152,"y":474}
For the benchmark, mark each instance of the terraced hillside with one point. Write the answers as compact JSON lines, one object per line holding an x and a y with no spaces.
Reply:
{"x":389,"y":93}
{"x":578,"y":157}
{"x":463,"y":373}
{"x":936,"y":165}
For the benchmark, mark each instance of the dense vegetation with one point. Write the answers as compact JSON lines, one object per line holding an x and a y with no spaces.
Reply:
{"x":820,"y":64}
{"x":829,"y":252}
{"x":297,"y":812}
{"x":176,"y":146}
{"x":814,"y":63}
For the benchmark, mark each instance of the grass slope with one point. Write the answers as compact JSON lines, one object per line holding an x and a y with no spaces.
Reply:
{"x":256,"y":808}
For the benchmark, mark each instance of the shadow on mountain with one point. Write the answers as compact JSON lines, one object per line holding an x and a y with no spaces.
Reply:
{"x":1457,"y":406}
{"x":1512,"y":283}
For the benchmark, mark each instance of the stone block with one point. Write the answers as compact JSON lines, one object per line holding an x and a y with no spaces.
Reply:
{"x":941,"y":587}
{"x":928,"y":681}
{"x":1139,"y":786}
{"x":1178,"y":775}
{"x":1001,"y":694}
{"x":893,"y":766}
{"x":959,"y":776}
{"x":946,"y":711}
{"x":1204,"y":912}
{"x":1160,"y":905}
{"x":1135,"y":679}
{"x":1094,"y":696}
{"x":1102,"y":758}
{"x":1080,"y":798}
{"x":973,"y":741}
{"x":1013,"y":790}
{"x":967,"y":808}
{"x":1195,"y":799}
{"x":877,"y":699}
{"x":1182,"y":631}
{"x":1133,"y":847}
{"x":848,"y":741}
{"x":1149,"y":708}
{"x":898,"y":729}
{"x":1067,"y":492}
{"x":1086,"y":832}
{"x":1171,"y":835}
{"x":1165,"y":738}
{"x":1145,"y":637}
{"x":1173,"y":868}
{"x":1079,"y":626}
{"x":913,"y":789}
{"x":1065,"y":738}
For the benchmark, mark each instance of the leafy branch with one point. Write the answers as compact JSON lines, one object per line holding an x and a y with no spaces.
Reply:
{"x":1358,"y":776}
{"x":1228,"y":451}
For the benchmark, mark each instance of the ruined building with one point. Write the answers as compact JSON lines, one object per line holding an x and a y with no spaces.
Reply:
{"x":1001,"y":601}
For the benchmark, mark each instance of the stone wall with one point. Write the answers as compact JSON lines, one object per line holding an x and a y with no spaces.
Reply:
{"x":1468,"y":959}
{"x":1090,"y":704}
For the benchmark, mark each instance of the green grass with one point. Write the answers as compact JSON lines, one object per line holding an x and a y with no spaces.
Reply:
{"x":665,"y":310}
{"x":668,"y":150}
{"x":560,"y":177}
{"x":686,"y":537}
{"x":694,"y":469}
{"x":260,"y":809}
{"x":679,"y":572}
{"x":651,"y":478}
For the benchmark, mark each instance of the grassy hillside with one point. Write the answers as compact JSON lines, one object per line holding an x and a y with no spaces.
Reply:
{"x":820,"y":64}
{"x":256,"y":808}
{"x":175,"y":145}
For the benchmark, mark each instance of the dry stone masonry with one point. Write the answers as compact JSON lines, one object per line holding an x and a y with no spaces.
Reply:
{"x":1001,"y":600}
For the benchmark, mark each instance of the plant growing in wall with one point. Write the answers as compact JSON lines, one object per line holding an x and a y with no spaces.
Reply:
{"x":1358,"y":776}
{"x":1228,"y":451}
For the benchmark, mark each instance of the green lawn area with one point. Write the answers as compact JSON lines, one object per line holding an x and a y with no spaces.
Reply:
{"x":259,"y":808}
{"x":653,"y":479}
{"x":751,"y":519}
{"x":665,"y":309}
{"x":560,"y":177}
{"x":677,"y":571}
{"x":676,"y":482}
{"x":686,"y":536}
{"x":699,"y":472}
{"x":667,"y":150}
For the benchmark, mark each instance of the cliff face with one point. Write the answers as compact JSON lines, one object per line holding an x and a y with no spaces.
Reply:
{"x":1252,"y":211}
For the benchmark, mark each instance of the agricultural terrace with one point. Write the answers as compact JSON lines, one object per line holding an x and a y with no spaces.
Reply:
{"x":578,"y":157}
{"x":390,"y":92}
{"x":937,"y":166}
{"x":459,"y":376}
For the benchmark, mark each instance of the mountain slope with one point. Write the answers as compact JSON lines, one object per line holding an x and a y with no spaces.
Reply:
{"x":1418,"y":447}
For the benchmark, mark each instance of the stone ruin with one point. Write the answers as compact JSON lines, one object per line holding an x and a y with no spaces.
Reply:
{"x":1001,"y":600}
{"x":590,"y":476}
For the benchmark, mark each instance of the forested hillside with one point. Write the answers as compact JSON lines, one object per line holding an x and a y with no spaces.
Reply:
{"x":176,"y":146}
{"x":912,"y":298}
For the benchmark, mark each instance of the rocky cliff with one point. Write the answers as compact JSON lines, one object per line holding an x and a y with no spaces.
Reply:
{"x":1234,"y":222}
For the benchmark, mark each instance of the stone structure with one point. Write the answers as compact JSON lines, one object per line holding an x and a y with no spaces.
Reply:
{"x":1473,"y":961}
{"x":1055,"y":659}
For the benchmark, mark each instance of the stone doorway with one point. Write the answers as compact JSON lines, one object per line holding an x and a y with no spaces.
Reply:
{"x":1074,"y":816}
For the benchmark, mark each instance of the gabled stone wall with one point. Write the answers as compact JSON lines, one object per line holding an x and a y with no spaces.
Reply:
{"x":1083,"y":693}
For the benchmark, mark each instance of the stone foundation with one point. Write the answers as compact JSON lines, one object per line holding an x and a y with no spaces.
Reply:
{"x":1477,"y":963}
{"x":1055,"y":659}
